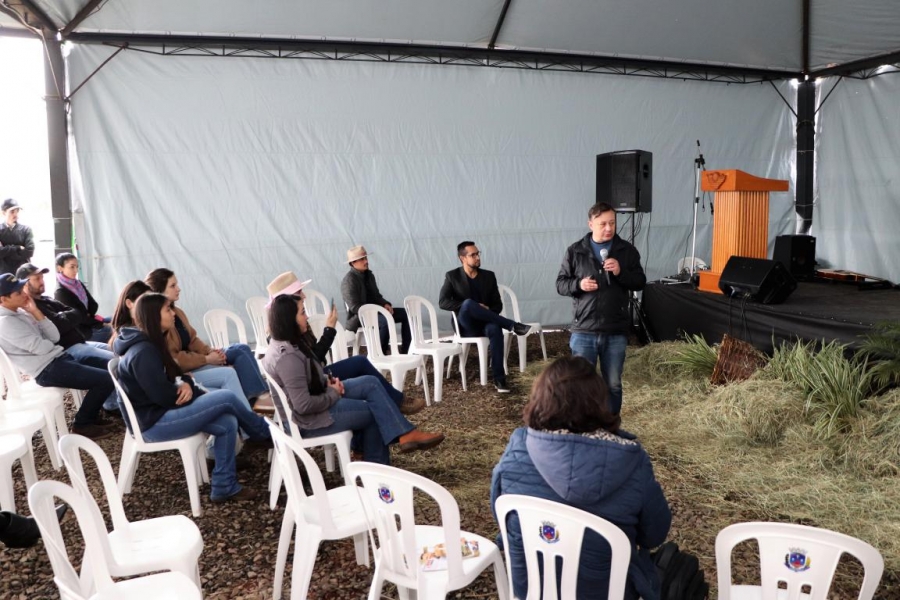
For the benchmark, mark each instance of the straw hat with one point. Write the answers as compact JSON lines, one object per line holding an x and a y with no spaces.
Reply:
{"x":286,"y":284}
{"x":355,"y":253}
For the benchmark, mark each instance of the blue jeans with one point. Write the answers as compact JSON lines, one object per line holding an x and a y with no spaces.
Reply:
{"x":219,"y":413}
{"x":101,"y":335}
{"x":95,"y":354}
{"x":214,"y":377}
{"x":405,"y":331}
{"x":610,"y":349}
{"x":476,"y":321}
{"x":240,"y":356}
{"x":370,"y":413}
{"x":81,"y":374}
{"x":357,"y":366}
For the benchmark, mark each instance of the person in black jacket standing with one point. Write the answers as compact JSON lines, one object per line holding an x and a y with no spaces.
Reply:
{"x":16,"y":240}
{"x":472,"y":293}
{"x":599,"y":272}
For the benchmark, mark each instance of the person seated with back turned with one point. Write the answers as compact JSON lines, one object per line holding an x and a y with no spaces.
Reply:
{"x":356,"y":366}
{"x":30,"y":339}
{"x":322,"y":404}
{"x":72,"y":292}
{"x":573,"y":452}
{"x":472,"y":293}
{"x":359,"y":288}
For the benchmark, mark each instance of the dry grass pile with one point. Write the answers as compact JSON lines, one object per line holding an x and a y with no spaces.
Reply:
{"x":760,"y":450}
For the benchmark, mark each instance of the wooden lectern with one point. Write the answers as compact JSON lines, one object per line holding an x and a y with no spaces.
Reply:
{"x":741,"y":221}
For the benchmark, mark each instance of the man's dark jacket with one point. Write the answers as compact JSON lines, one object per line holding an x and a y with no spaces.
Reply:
{"x":606,"y":309}
{"x":358,"y":288}
{"x":11,"y":256}
{"x":456,"y":290}
{"x":67,"y":320}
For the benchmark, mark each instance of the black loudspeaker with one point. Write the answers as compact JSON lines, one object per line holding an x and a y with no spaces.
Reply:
{"x":797,"y":253}
{"x":758,"y":279}
{"x":625,"y":180}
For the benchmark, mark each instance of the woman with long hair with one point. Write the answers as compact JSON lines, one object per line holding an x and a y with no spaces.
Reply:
{"x":169,"y":406}
{"x":209,"y":365}
{"x":322,"y":404}
{"x":355,"y":366}
{"x":573,"y":452}
{"x":127,"y":297}
{"x":74,"y":294}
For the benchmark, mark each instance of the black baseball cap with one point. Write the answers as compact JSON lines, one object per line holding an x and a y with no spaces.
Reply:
{"x":28,"y":269}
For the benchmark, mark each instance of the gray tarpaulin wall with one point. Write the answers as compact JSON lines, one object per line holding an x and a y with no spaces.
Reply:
{"x":231,"y":171}
{"x":857,"y":218}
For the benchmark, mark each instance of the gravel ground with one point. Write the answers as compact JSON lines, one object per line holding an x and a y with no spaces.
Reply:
{"x":240,"y":539}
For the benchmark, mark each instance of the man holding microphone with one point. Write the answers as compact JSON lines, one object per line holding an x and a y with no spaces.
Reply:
{"x":599,"y":272}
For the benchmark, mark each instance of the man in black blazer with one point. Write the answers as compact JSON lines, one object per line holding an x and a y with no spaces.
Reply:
{"x":472,"y":293}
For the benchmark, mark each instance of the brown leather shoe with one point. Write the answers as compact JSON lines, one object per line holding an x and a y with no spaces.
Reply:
{"x":411,"y":406}
{"x":264,"y":405}
{"x":419,"y":440}
{"x":243,"y":495}
{"x":92,"y":432}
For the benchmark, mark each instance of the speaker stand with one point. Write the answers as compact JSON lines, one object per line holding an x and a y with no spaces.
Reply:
{"x":699,"y":163}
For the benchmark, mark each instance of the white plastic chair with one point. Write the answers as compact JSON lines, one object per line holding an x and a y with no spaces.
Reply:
{"x":24,"y":423}
{"x":256,"y":310}
{"x":216,"y":323}
{"x":430,"y":345}
{"x":325,"y":515}
{"x":192,"y":450}
{"x":794,"y":555}
{"x":397,"y":364}
{"x":96,"y":575}
{"x":481,"y":343}
{"x":511,"y":301}
{"x":316,"y":302}
{"x":358,"y":338}
{"x":13,"y":447}
{"x":170,"y":543}
{"x":387,"y":494}
{"x":552,"y":531}
{"x":339,"y":441}
{"x":28,"y":395}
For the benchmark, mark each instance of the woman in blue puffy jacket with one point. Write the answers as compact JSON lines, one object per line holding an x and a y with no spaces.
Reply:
{"x":573,"y":452}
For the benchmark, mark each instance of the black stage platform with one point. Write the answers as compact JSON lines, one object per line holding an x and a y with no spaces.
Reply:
{"x":815,"y":311}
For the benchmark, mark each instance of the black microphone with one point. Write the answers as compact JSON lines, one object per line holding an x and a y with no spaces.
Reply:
{"x":604,"y":254}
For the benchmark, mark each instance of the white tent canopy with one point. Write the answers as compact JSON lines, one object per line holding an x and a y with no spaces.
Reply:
{"x":230,"y":171}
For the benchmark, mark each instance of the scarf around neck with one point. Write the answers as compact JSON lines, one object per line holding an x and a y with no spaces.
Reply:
{"x":74,"y":286}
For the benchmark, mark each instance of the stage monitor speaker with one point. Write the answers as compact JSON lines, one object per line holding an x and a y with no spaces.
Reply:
{"x":758,"y":279}
{"x":797,"y":253}
{"x":625,"y":180}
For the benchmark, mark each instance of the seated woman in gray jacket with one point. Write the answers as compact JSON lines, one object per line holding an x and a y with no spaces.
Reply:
{"x":322,"y":404}
{"x":573,"y":452}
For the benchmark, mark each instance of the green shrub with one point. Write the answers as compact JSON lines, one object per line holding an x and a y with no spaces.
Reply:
{"x":694,"y":356}
{"x":883,"y":349}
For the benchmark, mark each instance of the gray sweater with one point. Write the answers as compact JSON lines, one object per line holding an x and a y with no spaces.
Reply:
{"x":30,"y":344}
{"x":292,"y":370}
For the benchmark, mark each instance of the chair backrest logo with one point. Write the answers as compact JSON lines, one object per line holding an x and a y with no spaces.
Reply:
{"x":797,"y":560}
{"x":549,"y":533}
{"x":385,"y":493}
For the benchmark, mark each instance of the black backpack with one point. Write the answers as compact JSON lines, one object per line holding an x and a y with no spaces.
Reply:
{"x":680,"y":574}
